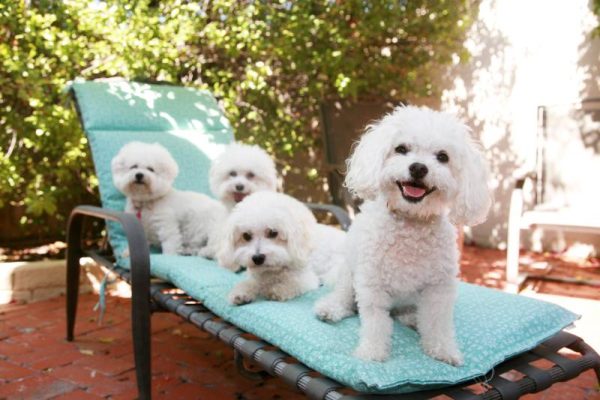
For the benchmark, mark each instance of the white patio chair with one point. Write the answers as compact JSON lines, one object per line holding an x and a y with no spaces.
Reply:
{"x":568,"y":138}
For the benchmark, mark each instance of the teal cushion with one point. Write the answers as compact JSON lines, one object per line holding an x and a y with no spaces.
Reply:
{"x":491,"y":326}
{"x":119,"y":104}
{"x":187,"y":122}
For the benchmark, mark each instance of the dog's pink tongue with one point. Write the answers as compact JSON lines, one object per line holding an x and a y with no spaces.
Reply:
{"x":238,"y":197}
{"x":413,"y":191}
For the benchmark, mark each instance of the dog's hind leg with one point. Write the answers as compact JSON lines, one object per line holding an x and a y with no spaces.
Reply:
{"x":340,"y":303}
{"x":169,"y":234}
{"x":209,"y":250}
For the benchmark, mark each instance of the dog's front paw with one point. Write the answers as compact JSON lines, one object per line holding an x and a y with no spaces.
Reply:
{"x":370,"y":351}
{"x":447,"y":353}
{"x":328,"y":310}
{"x":238,"y":297}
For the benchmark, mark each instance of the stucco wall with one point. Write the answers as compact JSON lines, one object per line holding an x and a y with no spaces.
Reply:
{"x":525,"y":54}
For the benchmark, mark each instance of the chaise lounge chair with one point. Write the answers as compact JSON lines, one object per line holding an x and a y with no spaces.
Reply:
{"x":497,"y":332}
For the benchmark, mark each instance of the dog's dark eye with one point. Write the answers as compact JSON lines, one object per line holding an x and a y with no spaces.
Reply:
{"x":401,"y":149}
{"x":247,"y":236}
{"x":150,"y":169}
{"x":134,"y":166}
{"x":250,"y":175}
{"x":442,"y":157}
{"x":233,"y":173}
{"x":272,"y":233}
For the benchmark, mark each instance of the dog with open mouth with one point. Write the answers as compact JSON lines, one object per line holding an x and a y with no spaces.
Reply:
{"x":241,"y":170}
{"x":420,"y":174}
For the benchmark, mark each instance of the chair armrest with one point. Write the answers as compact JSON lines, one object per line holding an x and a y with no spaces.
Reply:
{"x":338,"y":212}
{"x":139,"y":251}
{"x":139,"y":254}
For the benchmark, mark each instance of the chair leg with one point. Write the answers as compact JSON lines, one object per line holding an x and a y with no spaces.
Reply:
{"x":73,"y":271}
{"x":142,"y":353}
{"x":513,"y":241}
{"x":140,"y":325}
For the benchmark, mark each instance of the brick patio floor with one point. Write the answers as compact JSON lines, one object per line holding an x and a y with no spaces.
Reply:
{"x":37,"y":363}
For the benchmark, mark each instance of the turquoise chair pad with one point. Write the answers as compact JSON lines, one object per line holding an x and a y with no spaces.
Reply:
{"x":491,"y":326}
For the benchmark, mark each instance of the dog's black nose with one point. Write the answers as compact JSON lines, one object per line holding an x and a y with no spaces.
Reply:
{"x":418,"y":170}
{"x":139,"y":177}
{"x":258,"y":259}
{"x":239,"y":188}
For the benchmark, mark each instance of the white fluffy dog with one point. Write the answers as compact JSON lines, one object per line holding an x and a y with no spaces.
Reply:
{"x":279,"y":241}
{"x":180,"y":222}
{"x":240,"y":171}
{"x":419,"y":172}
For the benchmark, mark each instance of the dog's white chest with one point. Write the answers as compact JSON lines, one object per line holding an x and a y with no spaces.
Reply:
{"x":401,"y":257}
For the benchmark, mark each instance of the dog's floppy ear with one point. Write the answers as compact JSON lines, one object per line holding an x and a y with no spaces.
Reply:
{"x":214,"y":178}
{"x":167,"y":163}
{"x":216,"y":171}
{"x":118,"y":163}
{"x":299,"y":231}
{"x":366,"y":162}
{"x":226,"y":241}
{"x":474,"y":198}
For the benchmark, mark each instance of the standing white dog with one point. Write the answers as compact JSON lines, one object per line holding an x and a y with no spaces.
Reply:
{"x":240,"y":171}
{"x":180,"y":222}
{"x":272,"y":235}
{"x":419,"y":172}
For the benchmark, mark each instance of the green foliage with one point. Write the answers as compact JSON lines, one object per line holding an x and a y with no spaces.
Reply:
{"x":272,"y":63}
{"x":596,"y":10}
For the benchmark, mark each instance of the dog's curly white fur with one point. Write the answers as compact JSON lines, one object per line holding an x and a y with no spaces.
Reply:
{"x":240,"y":171}
{"x":419,"y":172}
{"x":276,"y":237}
{"x":180,"y":222}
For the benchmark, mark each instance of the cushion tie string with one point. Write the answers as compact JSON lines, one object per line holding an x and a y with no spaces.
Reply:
{"x":101,"y":304}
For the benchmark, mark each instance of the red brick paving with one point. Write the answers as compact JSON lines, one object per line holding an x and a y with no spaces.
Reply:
{"x":36,"y":362}
{"x":487,"y":267}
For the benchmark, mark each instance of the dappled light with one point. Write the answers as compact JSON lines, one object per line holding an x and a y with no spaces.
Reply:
{"x":132,"y":92}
